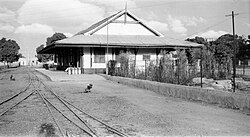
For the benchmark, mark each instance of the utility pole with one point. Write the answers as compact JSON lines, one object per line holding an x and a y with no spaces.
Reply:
{"x":234,"y":50}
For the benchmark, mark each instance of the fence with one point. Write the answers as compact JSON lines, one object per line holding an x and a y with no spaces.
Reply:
{"x":175,"y":71}
{"x":180,"y":71}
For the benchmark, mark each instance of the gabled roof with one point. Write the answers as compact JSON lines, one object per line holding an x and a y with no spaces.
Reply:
{"x":85,"y":38}
{"x":97,"y":26}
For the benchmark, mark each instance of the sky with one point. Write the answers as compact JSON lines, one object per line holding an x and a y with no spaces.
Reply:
{"x":30,"y":22}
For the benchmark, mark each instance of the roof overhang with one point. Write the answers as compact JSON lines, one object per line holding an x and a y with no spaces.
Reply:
{"x":119,"y":41}
{"x":50,"y":49}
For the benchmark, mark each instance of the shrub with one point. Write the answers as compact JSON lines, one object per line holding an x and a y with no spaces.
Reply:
{"x":169,"y":70}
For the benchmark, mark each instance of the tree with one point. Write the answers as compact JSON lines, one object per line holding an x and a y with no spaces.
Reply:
{"x":166,"y":71}
{"x":50,"y":40}
{"x":244,"y":49}
{"x":198,"y":40}
{"x":218,"y":55}
{"x":9,"y":50}
{"x":225,"y":52}
{"x":43,"y":57}
{"x":55,"y":37}
{"x":243,"y":54}
{"x":182,"y":67}
{"x":207,"y":56}
{"x":194,"y":54}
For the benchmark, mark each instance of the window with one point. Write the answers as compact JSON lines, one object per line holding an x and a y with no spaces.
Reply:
{"x":146,"y":57}
{"x":99,"y":54}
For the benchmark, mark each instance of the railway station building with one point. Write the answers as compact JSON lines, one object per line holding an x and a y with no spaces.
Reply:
{"x":92,"y":48}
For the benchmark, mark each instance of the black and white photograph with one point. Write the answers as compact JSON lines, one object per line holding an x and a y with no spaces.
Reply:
{"x":124,"y":68}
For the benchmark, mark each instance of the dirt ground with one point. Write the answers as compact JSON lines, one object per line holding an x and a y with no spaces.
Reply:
{"x":135,"y":111}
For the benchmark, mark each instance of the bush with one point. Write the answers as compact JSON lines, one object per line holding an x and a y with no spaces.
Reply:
{"x":175,"y":71}
{"x":111,"y":67}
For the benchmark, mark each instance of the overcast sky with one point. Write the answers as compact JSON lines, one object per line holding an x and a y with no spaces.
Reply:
{"x":30,"y":22}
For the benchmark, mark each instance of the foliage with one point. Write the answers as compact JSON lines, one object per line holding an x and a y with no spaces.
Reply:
{"x":9,"y":50}
{"x":182,"y":67}
{"x":111,"y":67}
{"x":223,"y":48}
{"x":216,"y":59}
{"x":43,"y":57}
{"x":217,"y":56}
{"x":175,"y":71}
{"x":198,"y":40}
{"x":166,"y":71}
{"x":50,"y":40}
{"x":55,"y":37}
{"x":153,"y":72}
{"x":124,"y":65}
{"x":244,"y":49}
{"x":206,"y":54}
{"x":224,"y":53}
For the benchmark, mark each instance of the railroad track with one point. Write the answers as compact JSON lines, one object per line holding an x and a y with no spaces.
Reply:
{"x":56,"y":105}
{"x":17,"y":94}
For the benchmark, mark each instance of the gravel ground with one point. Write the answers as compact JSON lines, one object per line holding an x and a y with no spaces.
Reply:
{"x":134,"y":111}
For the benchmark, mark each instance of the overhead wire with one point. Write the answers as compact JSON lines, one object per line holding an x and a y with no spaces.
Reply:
{"x":204,"y":29}
{"x":201,"y":30}
{"x":245,"y":23}
{"x":244,"y":12}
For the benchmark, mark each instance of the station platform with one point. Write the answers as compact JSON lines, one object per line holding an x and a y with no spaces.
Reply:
{"x":63,"y":76}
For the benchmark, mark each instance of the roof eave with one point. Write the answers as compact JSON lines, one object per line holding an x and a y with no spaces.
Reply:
{"x":115,"y":45}
{"x":47,"y":49}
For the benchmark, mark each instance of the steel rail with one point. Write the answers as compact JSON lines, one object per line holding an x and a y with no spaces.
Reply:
{"x":17,"y":103}
{"x":46,"y":103}
{"x":38,"y":80}
{"x":109,"y":127}
{"x":45,"y":99}
{"x":84,"y":122}
{"x":90,"y":134}
{"x":26,"y":88}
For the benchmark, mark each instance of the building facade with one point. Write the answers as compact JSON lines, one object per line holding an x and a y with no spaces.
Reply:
{"x":123,"y":32}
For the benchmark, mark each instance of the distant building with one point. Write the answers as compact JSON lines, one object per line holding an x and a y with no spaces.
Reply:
{"x":23,"y":61}
{"x":121,"y":32}
{"x":28,"y":62}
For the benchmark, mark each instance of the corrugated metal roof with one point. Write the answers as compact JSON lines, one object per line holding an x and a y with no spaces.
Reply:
{"x":120,"y":41}
{"x":124,"y":40}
